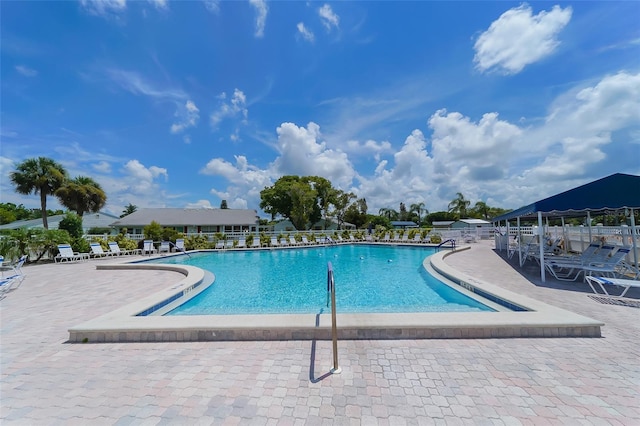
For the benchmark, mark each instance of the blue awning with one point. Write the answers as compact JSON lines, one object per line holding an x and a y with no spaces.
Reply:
{"x":615,"y":192}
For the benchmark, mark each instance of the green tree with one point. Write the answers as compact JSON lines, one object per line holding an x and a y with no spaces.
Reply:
{"x":389,"y":213}
{"x":223,"y":204}
{"x":480,"y":210}
{"x":153,"y":231}
{"x":303,"y":200}
{"x":459,"y":206}
{"x":81,"y":195}
{"x":356,"y":213}
{"x":325,"y":194}
{"x":72,"y":223}
{"x":418,"y":209}
{"x":39,"y":176}
{"x":341,"y":201}
{"x":131,"y":208}
{"x":6,"y":216}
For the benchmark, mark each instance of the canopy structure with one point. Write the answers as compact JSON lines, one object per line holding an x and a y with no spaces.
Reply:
{"x":612,"y":193}
{"x":615,"y":192}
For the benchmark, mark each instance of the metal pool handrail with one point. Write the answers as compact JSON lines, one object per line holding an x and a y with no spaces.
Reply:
{"x":331,"y":288}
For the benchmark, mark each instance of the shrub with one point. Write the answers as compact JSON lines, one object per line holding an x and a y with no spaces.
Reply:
{"x":72,"y":223}
{"x":153,"y":231}
{"x":99,"y":231}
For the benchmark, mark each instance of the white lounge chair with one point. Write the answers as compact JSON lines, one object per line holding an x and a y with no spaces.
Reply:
{"x":242,"y":243}
{"x":274,"y":242}
{"x":165,"y":247}
{"x":229,"y":244}
{"x":606,"y":281}
{"x":305,"y":241}
{"x":179,"y":245}
{"x":7,"y":284}
{"x":284,"y":242}
{"x":292,"y":241}
{"x":220,"y":244}
{"x":67,"y":254}
{"x":604,"y":260}
{"x":117,"y":251}
{"x":256,"y":242}
{"x":148,"y":247}
{"x":97,"y":251}
{"x":15,"y":270}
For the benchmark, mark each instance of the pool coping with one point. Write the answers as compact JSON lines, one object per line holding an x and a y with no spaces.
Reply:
{"x":123,"y":324}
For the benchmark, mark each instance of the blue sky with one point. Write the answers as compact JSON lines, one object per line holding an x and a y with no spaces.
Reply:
{"x":183,"y":104}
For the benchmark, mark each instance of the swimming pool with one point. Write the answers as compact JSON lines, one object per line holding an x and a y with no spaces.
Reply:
{"x":369,"y":279}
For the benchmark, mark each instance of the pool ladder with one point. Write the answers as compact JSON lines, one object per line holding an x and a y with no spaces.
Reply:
{"x":331,"y":292}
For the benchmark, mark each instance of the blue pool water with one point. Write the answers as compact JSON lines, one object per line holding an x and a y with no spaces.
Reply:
{"x":368,"y":279}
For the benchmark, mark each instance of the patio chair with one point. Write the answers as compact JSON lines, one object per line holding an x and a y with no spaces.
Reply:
{"x":274,"y":242}
{"x":115,"y":249}
{"x":7,"y":284}
{"x":573,"y":268}
{"x":97,"y":251}
{"x":256,"y":242}
{"x":148,"y":247}
{"x":229,"y":244}
{"x":67,"y":254}
{"x":14,"y":268}
{"x":283,"y":242}
{"x":387,"y":237}
{"x":305,"y":241}
{"x":606,"y":281}
{"x":292,"y":241}
{"x":179,"y":245}
{"x":242,"y":243}
{"x":417,"y":239}
{"x":165,"y":247}
{"x":220,"y":244}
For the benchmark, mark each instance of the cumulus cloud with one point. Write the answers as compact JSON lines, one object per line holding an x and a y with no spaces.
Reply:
{"x":328,"y":18}
{"x":26,"y":71}
{"x":305,"y":32}
{"x":102,"y":167}
{"x":188,"y":116}
{"x":200,"y":204}
{"x":103,"y":7}
{"x":236,"y":107}
{"x":261,"y":16}
{"x":368,"y":148}
{"x":140,"y":179}
{"x":302,"y":153}
{"x":519,"y":38}
{"x":476,"y":149}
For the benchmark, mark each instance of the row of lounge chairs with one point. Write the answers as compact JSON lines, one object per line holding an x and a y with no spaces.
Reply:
{"x":606,"y":260}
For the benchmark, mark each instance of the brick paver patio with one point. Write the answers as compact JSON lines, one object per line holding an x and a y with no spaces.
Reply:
{"x":391,"y":382}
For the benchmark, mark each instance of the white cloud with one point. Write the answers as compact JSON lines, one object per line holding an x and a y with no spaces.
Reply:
{"x":212,"y":6}
{"x":476,"y":149}
{"x":200,"y":204}
{"x":140,"y":180}
{"x":103,"y":7}
{"x":328,"y":18}
{"x":102,"y":167}
{"x":136,"y":84}
{"x":160,"y":4}
{"x":188,"y":115}
{"x":261,"y":16}
{"x":301,"y":153}
{"x":235,"y":108}
{"x":518,"y":38}
{"x":26,"y":71}
{"x":305,"y":33}
{"x":368,"y":148}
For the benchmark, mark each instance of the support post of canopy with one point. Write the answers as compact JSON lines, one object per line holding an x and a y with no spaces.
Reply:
{"x":634,"y":242}
{"x":541,"y":246}
{"x":519,"y":241}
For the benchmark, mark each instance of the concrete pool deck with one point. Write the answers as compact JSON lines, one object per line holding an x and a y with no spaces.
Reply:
{"x":44,"y":380}
{"x":126,"y":325}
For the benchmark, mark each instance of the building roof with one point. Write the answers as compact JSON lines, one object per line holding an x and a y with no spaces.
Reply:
{"x":52,"y":221}
{"x":403,"y":223}
{"x":475,"y":221}
{"x":614,"y":192}
{"x":181,"y":217}
{"x":442,"y":222}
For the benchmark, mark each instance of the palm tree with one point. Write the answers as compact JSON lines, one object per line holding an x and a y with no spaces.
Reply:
{"x":482,"y":208}
{"x":459,"y":205}
{"x":129,"y":209}
{"x":40,"y":175}
{"x":390,"y":214}
{"x":418,"y":208}
{"x":81,"y":195}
